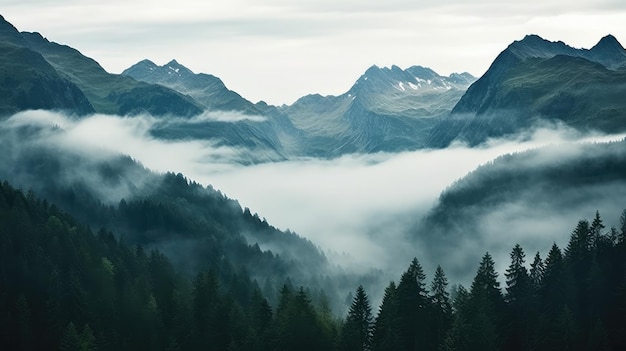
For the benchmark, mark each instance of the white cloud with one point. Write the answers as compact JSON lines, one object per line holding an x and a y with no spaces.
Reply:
{"x":362,"y":205}
{"x":226,"y":116}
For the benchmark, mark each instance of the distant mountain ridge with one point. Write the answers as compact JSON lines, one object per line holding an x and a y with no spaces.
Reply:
{"x":607,"y":52}
{"x":387,"y":109}
{"x":62,"y":78}
{"x":207,"y":89}
{"x":535,"y":79}
{"x":30,"y":82}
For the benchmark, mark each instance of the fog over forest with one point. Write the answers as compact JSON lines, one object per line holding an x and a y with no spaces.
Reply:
{"x":360,"y":209}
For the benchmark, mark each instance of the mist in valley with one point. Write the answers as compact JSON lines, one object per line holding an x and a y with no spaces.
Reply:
{"x":363,"y":211}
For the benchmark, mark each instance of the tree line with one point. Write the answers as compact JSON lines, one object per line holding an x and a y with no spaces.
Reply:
{"x":64,"y":286}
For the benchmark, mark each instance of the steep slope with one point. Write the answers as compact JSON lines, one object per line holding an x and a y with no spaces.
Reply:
{"x":28,"y":81}
{"x":231,"y":120}
{"x":105,"y":92}
{"x":64,"y":287}
{"x":530,"y":198}
{"x":534,"y":79}
{"x":204,"y":88}
{"x":387,"y":109}
{"x":195,"y":226}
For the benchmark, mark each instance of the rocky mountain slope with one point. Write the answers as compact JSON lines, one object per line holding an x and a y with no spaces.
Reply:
{"x":535,"y":80}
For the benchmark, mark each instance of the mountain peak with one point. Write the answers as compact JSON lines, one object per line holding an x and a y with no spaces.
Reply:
{"x":422,"y":72}
{"x":146,"y":62}
{"x":176,"y":67}
{"x":535,"y":46}
{"x":608,"y":42}
{"x":7,"y":29}
{"x":372,"y":68}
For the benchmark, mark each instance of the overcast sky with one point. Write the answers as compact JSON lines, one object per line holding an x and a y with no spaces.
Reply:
{"x":279,"y":50}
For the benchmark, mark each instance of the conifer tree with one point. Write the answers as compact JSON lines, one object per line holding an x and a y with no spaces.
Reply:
{"x":357,"y":330}
{"x":487,"y":305}
{"x":552,"y":283}
{"x":386,"y":335}
{"x":519,"y":301}
{"x":457,"y":336}
{"x":485,"y":289}
{"x":580,"y":243}
{"x":517,"y":279}
{"x":441,"y":308}
{"x":596,"y":228}
{"x":413,"y":307}
{"x":537,"y":269}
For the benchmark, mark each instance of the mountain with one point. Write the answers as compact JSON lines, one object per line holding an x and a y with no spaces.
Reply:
{"x":207,"y":89}
{"x":387,"y":109}
{"x":53,"y":76}
{"x":197,"y":227}
{"x":527,"y":197}
{"x":30,"y":82}
{"x":230,"y":119}
{"x":66,"y":287}
{"x":534,"y":80}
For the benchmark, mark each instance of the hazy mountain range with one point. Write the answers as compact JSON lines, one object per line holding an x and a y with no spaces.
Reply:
{"x":386,"y":109}
{"x":536,"y":80}
{"x":532,"y":82}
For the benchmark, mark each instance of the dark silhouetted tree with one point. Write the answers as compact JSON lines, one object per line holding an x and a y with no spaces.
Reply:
{"x":441,"y":315}
{"x":386,"y":326}
{"x":487,"y":306}
{"x":519,"y":301}
{"x":357,"y":330}
{"x":413,"y":307}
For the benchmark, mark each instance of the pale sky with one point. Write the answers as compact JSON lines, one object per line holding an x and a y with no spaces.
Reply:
{"x":279,"y":50}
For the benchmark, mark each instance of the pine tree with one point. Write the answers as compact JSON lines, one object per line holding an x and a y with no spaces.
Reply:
{"x":413,"y":307}
{"x":441,"y":308}
{"x":487,"y":305}
{"x":87,"y":339}
{"x":552,"y":284}
{"x":457,"y":337}
{"x":386,"y":335}
{"x":596,"y":228}
{"x":517,"y":280}
{"x":555,"y":297}
{"x":537,"y":270}
{"x":580,"y":243}
{"x":70,"y":340}
{"x":357,"y":330}
{"x":519,"y":301}
{"x":485,"y":289}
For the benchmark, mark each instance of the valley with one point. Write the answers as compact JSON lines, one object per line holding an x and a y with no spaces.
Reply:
{"x":174,"y":194}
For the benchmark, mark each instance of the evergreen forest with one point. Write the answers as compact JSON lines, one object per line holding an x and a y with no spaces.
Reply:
{"x":65,"y":286}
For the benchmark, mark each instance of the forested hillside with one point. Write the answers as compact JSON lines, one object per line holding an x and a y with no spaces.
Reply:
{"x":63,"y":286}
{"x":197,"y":227}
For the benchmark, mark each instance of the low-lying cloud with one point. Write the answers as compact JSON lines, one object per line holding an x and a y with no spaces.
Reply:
{"x":358,"y":208}
{"x":363,"y":205}
{"x":226,"y":116}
